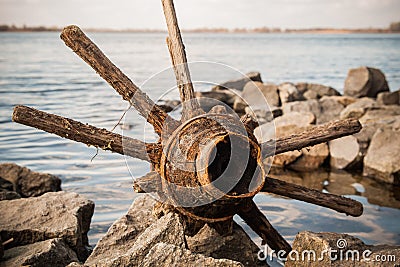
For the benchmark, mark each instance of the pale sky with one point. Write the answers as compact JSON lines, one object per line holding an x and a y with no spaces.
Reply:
{"x":140,"y":14}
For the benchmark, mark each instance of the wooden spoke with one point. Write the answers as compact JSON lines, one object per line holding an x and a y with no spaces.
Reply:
{"x":316,"y":135}
{"x":260,"y":224}
{"x":331,"y":201}
{"x":190,"y":105}
{"x":86,"y":134}
{"x":91,"y":54}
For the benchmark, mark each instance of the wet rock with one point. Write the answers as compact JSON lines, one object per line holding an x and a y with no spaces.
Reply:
{"x":365,"y":81}
{"x":312,"y":158}
{"x":330,"y":110}
{"x":121,"y":236}
{"x":52,"y":215}
{"x":168,"y":229}
{"x":288,"y":92}
{"x":312,"y":249}
{"x":389,"y":98}
{"x":300,"y":119}
{"x":51,"y":252}
{"x":357,"y":109}
{"x":1,"y":248}
{"x":237,"y":247}
{"x":163,"y":254}
{"x":28,"y":183}
{"x":345,"y":153}
{"x":316,"y":91}
{"x":253,"y":92}
{"x":239,"y":84}
{"x":382,"y":160}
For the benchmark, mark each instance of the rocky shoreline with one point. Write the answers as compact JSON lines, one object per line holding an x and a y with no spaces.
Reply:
{"x":296,"y":107}
{"x":44,"y":226}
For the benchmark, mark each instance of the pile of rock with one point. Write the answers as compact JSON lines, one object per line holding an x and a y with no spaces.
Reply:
{"x":296,"y":107}
{"x":39,"y":224}
{"x":50,"y":229}
{"x":141,"y":238}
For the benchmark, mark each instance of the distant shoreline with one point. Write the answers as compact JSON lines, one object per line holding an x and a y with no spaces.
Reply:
{"x":264,"y":30}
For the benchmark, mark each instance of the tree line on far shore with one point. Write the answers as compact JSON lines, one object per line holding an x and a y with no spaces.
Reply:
{"x":394,"y":27}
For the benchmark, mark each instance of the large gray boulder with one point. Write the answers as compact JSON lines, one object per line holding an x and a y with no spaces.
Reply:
{"x":168,"y":229}
{"x":239,"y":84}
{"x":365,"y":81}
{"x":165,"y":255}
{"x":345,"y":153}
{"x":28,"y":183}
{"x":337,"y":250}
{"x":51,"y":252}
{"x":237,"y":247}
{"x":52,"y":215}
{"x":122,"y":235}
{"x":382,"y":160}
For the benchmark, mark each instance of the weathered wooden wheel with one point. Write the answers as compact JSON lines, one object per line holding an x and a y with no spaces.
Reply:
{"x":197,"y":170}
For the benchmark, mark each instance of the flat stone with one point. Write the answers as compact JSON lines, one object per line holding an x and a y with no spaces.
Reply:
{"x":237,"y":247}
{"x":289,"y":93}
{"x":168,"y":229}
{"x":345,"y":153}
{"x":121,"y":236}
{"x":163,"y":254}
{"x":52,"y":215}
{"x":239,"y":84}
{"x":28,"y":183}
{"x":382,"y":160}
{"x":365,"y":81}
{"x":51,"y":252}
{"x":301,"y":119}
{"x":388,"y":98}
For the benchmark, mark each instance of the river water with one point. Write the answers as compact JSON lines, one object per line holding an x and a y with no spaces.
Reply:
{"x":36,"y":69}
